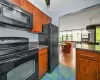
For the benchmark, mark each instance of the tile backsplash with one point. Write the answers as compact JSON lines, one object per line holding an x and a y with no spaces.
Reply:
{"x":4,"y":32}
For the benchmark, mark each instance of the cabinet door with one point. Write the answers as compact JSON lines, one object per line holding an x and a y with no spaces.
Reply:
{"x":99,"y":71}
{"x":45,"y":19}
{"x":49,"y":20}
{"x":17,"y":2}
{"x":37,"y":20}
{"x":86,"y":69}
{"x":26,"y":5}
{"x":43,"y":64}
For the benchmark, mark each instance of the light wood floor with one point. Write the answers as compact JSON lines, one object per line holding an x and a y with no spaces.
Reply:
{"x":68,"y":59}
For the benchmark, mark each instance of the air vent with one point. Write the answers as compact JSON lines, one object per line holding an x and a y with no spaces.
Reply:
{"x":47,"y":2}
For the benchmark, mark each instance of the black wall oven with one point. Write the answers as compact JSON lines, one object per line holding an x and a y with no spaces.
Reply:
{"x":20,"y":67}
{"x":12,"y":16}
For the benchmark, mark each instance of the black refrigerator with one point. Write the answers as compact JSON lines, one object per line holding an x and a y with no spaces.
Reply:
{"x":49,"y":37}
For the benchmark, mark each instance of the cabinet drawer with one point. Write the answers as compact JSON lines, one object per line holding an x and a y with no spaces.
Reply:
{"x":87,"y":55}
{"x":43,"y":51}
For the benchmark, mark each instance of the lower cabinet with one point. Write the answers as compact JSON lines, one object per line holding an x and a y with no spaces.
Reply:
{"x":86,"y":67}
{"x":43,"y":62}
{"x":99,"y":71}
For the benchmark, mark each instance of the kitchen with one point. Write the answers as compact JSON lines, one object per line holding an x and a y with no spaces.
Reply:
{"x":24,"y":42}
{"x":29,"y":41}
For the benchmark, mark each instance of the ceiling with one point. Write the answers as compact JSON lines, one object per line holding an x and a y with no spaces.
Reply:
{"x":63,"y":7}
{"x":80,"y":19}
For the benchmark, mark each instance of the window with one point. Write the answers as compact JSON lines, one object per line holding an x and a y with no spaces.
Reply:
{"x":85,"y":35}
{"x":60,"y":37}
{"x":98,"y":34}
{"x":69,"y":36}
{"x":76,"y":35}
{"x":64,"y":36}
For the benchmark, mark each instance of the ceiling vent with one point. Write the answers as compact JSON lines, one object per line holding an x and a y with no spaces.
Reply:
{"x":47,"y":2}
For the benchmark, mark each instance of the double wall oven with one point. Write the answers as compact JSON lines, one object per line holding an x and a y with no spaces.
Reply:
{"x":12,"y":16}
{"x":18,"y":61}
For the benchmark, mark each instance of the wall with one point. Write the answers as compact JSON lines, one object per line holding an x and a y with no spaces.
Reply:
{"x":4,"y":32}
{"x":56,"y":20}
{"x":74,"y":6}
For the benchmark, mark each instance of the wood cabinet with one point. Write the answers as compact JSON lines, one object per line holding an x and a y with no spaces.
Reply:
{"x":37,"y":20}
{"x":46,"y":19}
{"x":43,"y":62}
{"x":99,"y":71}
{"x":87,"y":66}
{"x":16,"y":2}
{"x":49,"y":20}
{"x":26,"y":5}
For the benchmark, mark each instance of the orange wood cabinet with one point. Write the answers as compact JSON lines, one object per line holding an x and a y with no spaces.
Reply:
{"x":26,"y":5}
{"x":37,"y":20}
{"x":43,"y":62}
{"x":46,"y":19}
{"x":99,"y":71}
{"x":49,"y":20}
{"x":87,"y":65}
{"x":17,"y":2}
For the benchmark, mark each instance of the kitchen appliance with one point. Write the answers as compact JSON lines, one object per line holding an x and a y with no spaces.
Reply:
{"x":18,"y":60}
{"x":12,"y":16}
{"x":49,"y":37}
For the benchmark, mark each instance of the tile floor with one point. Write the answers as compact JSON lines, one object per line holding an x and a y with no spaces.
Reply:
{"x":66,"y":68}
{"x":61,"y":73}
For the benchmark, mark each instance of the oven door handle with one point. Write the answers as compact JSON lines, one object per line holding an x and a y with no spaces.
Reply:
{"x":7,"y":60}
{"x":14,"y":59}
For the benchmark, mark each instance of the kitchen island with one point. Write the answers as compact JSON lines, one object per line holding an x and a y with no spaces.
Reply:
{"x":87,"y":62}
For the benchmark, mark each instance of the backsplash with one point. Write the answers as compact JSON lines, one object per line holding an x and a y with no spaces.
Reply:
{"x":4,"y":32}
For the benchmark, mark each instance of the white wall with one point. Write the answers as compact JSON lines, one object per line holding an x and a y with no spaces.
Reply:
{"x":74,"y":6}
{"x":56,"y":20}
{"x":4,"y":32}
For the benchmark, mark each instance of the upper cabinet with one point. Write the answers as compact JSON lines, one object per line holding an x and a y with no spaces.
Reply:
{"x":26,"y":5}
{"x":46,"y":19}
{"x":49,"y":20}
{"x":37,"y":20}
{"x":17,"y":2}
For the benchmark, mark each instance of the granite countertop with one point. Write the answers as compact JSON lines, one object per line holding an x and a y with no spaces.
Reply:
{"x":88,"y":47}
{"x":36,"y":45}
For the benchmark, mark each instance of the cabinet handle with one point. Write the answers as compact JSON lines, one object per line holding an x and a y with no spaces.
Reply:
{"x":86,"y":56}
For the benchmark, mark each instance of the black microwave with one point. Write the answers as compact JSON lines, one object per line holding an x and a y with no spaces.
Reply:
{"x":12,"y":16}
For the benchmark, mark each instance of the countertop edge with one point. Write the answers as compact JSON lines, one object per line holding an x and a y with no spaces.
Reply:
{"x":88,"y":50}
